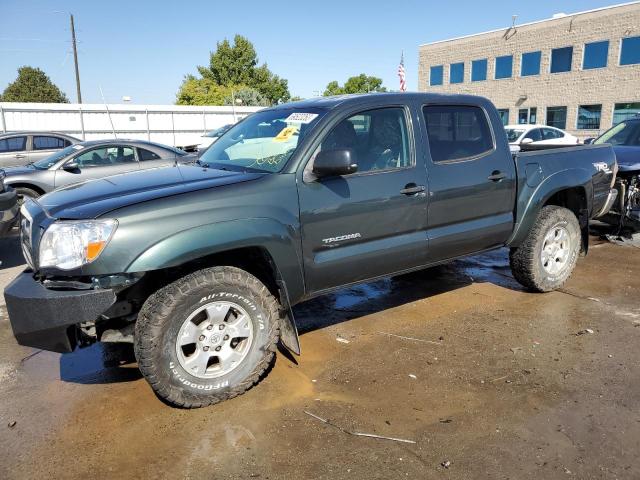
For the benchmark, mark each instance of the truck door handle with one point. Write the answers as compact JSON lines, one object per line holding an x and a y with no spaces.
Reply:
{"x":496,"y":176}
{"x":412,"y":189}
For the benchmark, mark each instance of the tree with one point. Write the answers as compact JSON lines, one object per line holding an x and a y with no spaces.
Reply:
{"x":234,"y":66}
{"x":201,"y":91}
{"x":33,"y":85}
{"x":359,"y":84}
{"x":247,"y":96}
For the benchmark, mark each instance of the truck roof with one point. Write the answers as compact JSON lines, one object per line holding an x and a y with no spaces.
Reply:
{"x":354,"y":99}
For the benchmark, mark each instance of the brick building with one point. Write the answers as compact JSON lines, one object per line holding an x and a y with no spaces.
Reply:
{"x":579,"y":72}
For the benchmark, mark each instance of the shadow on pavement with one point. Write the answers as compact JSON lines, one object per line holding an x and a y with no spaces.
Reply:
{"x":100,"y":363}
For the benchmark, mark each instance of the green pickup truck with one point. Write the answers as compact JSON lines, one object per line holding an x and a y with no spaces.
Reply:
{"x":199,"y":265}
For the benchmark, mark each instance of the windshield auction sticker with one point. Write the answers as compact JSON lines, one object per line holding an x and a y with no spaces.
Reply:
{"x":301,"y":117}
{"x":285,"y":134}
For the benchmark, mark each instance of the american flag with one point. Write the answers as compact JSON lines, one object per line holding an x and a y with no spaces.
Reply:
{"x":403,"y":83}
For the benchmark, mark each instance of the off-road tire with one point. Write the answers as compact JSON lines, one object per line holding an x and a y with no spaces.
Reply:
{"x":525,"y":260}
{"x":160,"y":320}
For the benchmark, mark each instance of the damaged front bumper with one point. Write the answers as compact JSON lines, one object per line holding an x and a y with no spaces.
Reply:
{"x":45,"y":319}
{"x":608,"y":203}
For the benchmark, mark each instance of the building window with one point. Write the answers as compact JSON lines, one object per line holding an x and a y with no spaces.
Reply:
{"x":623,"y":111}
{"x":595,"y":55}
{"x":561,"y":59}
{"x":557,"y":117}
{"x":530,"y":64}
{"x":504,"y":66}
{"x":479,"y":70}
{"x":456,"y":73}
{"x":436,"y":75}
{"x":589,"y":117}
{"x":630,"y":51}
{"x":527,"y":115}
{"x":504,"y":115}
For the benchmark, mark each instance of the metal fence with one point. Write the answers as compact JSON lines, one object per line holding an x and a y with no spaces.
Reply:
{"x":169,"y":124}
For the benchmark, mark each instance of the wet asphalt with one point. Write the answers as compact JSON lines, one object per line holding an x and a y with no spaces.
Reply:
{"x":488,"y":380}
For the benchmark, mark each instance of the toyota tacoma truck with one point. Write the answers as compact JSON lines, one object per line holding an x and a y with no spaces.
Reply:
{"x":199,"y":265}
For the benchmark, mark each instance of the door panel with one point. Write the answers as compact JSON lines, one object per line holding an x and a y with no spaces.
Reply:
{"x":13,"y":151}
{"x":361,"y":226}
{"x":471,"y":182}
{"x":98,"y":163}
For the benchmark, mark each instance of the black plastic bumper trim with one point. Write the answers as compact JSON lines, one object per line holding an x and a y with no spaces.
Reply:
{"x":41,"y":318}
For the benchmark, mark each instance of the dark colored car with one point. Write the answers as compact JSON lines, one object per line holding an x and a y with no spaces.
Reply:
{"x":198,"y":265}
{"x":625,"y":139}
{"x":9,"y":207}
{"x":21,"y":148}
{"x":90,"y":160}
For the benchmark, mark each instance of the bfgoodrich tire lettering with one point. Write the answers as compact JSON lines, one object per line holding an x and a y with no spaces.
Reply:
{"x":547,"y":257}
{"x":164,"y":314}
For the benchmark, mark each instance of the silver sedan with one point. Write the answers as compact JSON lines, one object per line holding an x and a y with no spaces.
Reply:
{"x":90,"y":160}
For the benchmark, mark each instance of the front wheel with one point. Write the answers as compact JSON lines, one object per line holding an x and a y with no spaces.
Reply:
{"x":547,"y":257}
{"x":207,"y":337}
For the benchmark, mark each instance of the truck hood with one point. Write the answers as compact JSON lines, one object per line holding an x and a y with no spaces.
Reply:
{"x":95,"y":198}
{"x":628,"y":158}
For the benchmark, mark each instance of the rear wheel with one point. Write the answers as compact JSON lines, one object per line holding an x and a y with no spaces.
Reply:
{"x":547,"y":257}
{"x":207,"y":337}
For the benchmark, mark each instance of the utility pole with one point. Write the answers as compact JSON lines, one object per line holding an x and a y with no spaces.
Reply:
{"x":75,"y":58}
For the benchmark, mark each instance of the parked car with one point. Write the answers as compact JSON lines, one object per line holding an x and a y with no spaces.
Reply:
{"x":8,"y":206}
{"x":90,"y":160}
{"x":625,"y":139}
{"x":198,"y":265}
{"x":21,"y":148}
{"x":210,"y":137}
{"x":538,"y":135}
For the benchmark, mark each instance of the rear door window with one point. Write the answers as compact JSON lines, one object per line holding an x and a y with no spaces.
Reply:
{"x":457,"y":132}
{"x":49,"y":143}
{"x":13,"y":144}
{"x":550,"y":134}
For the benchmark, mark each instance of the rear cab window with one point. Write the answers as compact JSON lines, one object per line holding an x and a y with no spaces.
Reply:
{"x":457,"y":132}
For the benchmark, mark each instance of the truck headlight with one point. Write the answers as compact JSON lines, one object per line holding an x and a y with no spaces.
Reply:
{"x":71,"y":244}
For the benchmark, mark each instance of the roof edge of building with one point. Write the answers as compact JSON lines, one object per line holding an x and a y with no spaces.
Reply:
{"x":565,"y":16}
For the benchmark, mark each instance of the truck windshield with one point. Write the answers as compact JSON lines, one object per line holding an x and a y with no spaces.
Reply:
{"x":625,"y":133}
{"x":262,"y":142}
{"x":513,"y":134}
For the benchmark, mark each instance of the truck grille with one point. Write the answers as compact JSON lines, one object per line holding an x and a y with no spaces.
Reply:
{"x":26,"y":224}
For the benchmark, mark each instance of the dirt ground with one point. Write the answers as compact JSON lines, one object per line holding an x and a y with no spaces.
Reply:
{"x":459,"y":359}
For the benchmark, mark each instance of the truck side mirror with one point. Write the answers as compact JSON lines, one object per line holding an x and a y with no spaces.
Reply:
{"x":335,"y":162}
{"x":588,"y":141}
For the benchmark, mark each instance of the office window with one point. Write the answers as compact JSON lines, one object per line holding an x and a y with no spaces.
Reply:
{"x":630,"y":51}
{"x":436,"y":75}
{"x":479,"y":70}
{"x":504,"y":66}
{"x":622,"y":111}
{"x":561,"y":59}
{"x":456,"y":73}
{"x":527,"y":115}
{"x":457,"y":132}
{"x":557,"y":117}
{"x":595,"y":55}
{"x":589,"y":117}
{"x":530,"y":64}
{"x":504,"y":115}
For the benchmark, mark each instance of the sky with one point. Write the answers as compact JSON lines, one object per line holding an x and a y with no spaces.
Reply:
{"x":143,"y":49}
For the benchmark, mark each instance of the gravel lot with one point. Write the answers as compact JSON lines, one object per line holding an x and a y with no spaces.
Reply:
{"x":496,"y":381}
